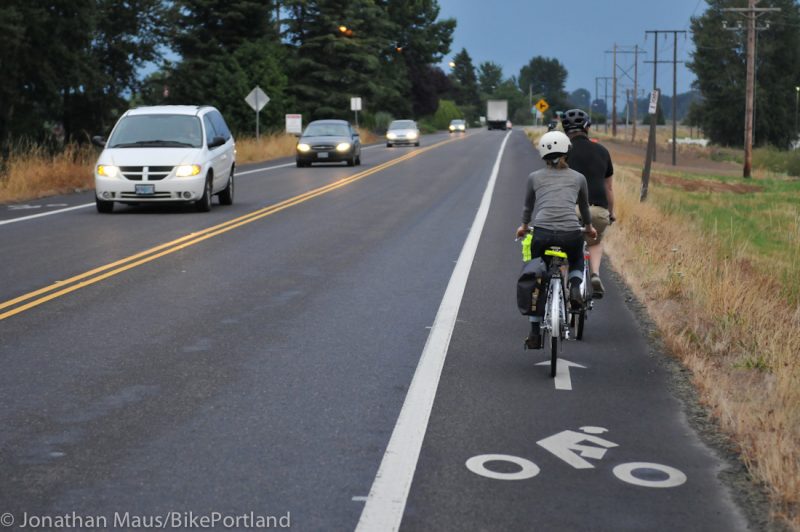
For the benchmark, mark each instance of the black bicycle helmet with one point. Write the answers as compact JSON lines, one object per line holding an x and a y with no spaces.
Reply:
{"x":575,"y":119}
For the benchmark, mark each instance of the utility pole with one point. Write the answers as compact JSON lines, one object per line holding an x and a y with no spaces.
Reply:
{"x":674,"y":62}
{"x":614,"y":97}
{"x":635,"y":89}
{"x":597,"y":92}
{"x":751,"y":13}
{"x":626,"y":72}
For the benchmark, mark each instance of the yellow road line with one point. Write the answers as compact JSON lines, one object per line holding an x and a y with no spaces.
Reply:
{"x":90,"y":277}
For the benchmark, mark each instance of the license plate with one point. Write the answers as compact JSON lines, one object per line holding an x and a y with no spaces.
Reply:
{"x":322,"y":155}
{"x":145,"y":190}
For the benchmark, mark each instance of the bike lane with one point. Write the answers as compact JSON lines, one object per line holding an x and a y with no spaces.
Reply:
{"x":506,"y":450}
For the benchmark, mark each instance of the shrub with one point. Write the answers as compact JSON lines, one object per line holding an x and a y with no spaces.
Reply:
{"x":446,"y":112}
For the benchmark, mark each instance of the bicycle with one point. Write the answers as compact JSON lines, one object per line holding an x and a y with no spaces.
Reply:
{"x":554,"y":328}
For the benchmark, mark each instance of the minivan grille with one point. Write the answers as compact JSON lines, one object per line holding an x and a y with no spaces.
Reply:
{"x":153,"y":173}
{"x":323,"y":147}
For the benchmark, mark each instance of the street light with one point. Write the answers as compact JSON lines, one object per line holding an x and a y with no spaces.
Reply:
{"x":451,"y":64}
{"x":343,"y":28}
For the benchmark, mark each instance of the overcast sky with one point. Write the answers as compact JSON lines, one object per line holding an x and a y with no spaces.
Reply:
{"x":577,"y":33}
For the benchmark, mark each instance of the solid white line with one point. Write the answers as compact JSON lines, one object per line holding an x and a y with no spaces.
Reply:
{"x":387,"y":497}
{"x":32,"y":216}
{"x":238,"y":173}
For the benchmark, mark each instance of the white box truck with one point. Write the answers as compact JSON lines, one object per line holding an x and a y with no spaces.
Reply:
{"x":497,"y":114}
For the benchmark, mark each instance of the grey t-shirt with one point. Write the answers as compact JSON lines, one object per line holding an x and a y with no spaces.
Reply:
{"x":552,"y":193}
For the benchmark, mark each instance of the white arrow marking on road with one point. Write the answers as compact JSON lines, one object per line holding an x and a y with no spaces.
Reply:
{"x":563,"y":379}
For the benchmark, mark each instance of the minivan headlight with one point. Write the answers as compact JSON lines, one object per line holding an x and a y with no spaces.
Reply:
{"x":187,"y":170}
{"x":343,"y":146}
{"x":413,"y":135}
{"x":108,"y":170}
{"x":302,"y":147}
{"x":391,"y":136}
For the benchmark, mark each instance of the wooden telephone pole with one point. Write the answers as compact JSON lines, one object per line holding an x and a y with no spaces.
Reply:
{"x":751,"y":13}
{"x":674,"y":62}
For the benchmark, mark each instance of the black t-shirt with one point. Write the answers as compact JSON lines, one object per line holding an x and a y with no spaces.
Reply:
{"x":594,"y":162}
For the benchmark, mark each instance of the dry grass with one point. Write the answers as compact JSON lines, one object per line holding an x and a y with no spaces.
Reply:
{"x":726,"y":319}
{"x":250,"y":150}
{"x":31,"y":172}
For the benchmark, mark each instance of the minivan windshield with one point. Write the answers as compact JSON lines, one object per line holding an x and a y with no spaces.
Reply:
{"x":157,"y":131}
{"x":402,"y":124}
{"x":327,"y":130}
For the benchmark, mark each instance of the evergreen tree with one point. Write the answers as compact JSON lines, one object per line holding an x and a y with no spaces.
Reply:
{"x":422,"y":41}
{"x":490,"y":76}
{"x":465,"y":85}
{"x":339,"y":48}
{"x":227,"y":48}
{"x":546,"y":77}
{"x":719,"y":60}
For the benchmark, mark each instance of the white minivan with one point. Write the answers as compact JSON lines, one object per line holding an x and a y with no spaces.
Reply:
{"x":166,"y":153}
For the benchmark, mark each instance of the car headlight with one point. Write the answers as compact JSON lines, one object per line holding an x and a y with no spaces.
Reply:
{"x":343,"y":146}
{"x":452,"y":128}
{"x":413,"y":135}
{"x":302,"y":147}
{"x":461,"y":128}
{"x":107,"y":170}
{"x":187,"y":170}
{"x":391,"y":136}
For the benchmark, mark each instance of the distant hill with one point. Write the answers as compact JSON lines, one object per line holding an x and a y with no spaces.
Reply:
{"x":684,"y":101}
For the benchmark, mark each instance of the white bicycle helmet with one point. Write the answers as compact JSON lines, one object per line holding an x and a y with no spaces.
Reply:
{"x":554,"y":144}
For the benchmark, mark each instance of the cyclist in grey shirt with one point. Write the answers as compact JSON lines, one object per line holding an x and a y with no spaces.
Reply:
{"x":550,"y":195}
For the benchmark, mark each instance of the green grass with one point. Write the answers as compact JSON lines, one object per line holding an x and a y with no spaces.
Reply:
{"x":762,"y":227}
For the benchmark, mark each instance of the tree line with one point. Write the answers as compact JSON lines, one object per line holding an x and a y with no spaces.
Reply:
{"x":71,"y":67}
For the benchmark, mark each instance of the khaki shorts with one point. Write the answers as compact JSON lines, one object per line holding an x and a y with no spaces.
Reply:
{"x":600,"y":220}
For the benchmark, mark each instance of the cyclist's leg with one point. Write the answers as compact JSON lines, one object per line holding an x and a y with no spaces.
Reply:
{"x":600,"y":221}
{"x":572,"y":244}
{"x":541,"y":240}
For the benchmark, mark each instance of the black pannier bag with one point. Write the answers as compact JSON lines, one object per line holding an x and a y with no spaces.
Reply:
{"x":532,"y":288}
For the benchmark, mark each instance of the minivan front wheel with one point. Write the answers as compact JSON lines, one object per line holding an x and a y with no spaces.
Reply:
{"x":103,"y":206}
{"x":226,"y":196}
{"x":204,"y":203}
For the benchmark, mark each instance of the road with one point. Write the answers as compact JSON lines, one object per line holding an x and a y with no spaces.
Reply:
{"x":258,"y":360}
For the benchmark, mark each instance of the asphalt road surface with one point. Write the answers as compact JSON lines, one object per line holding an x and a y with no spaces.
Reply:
{"x":338,"y":350}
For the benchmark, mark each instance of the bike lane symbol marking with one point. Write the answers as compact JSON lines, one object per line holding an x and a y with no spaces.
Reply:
{"x":567,"y":446}
{"x":527,"y":469}
{"x":675,"y":477}
{"x":570,"y":446}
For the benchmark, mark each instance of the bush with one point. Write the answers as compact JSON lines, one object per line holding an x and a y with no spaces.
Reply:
{"x":446,"y":112}
{"x":426,"y":125}
{"x":378,"y":122}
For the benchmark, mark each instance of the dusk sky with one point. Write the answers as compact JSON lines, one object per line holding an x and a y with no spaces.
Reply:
{"x":577,"y":33}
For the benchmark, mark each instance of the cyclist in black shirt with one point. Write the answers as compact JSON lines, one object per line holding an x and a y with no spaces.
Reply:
{"x":594,"y":162}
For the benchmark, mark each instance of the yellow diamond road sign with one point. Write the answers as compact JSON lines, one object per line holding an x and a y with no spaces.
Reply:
{"x":542,"y":105}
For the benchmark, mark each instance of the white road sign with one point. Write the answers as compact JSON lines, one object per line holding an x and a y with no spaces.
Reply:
{"x":653,"y":102}
{"x":294,"y":124}
{"x":257,"y":99}
{"x":355,"y":104}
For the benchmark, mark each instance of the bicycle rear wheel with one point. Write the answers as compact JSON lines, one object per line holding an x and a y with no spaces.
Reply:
{"x":555,"y":327}
{"x":579,"y":320}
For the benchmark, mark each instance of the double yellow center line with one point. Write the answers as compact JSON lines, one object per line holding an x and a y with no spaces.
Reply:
{"x":60,"y":288}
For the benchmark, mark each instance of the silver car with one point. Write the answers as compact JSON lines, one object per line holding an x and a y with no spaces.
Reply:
{"x":402,"y":132}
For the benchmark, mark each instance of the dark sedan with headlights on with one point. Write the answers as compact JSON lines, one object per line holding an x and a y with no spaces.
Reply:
{"x":329,"y":141}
